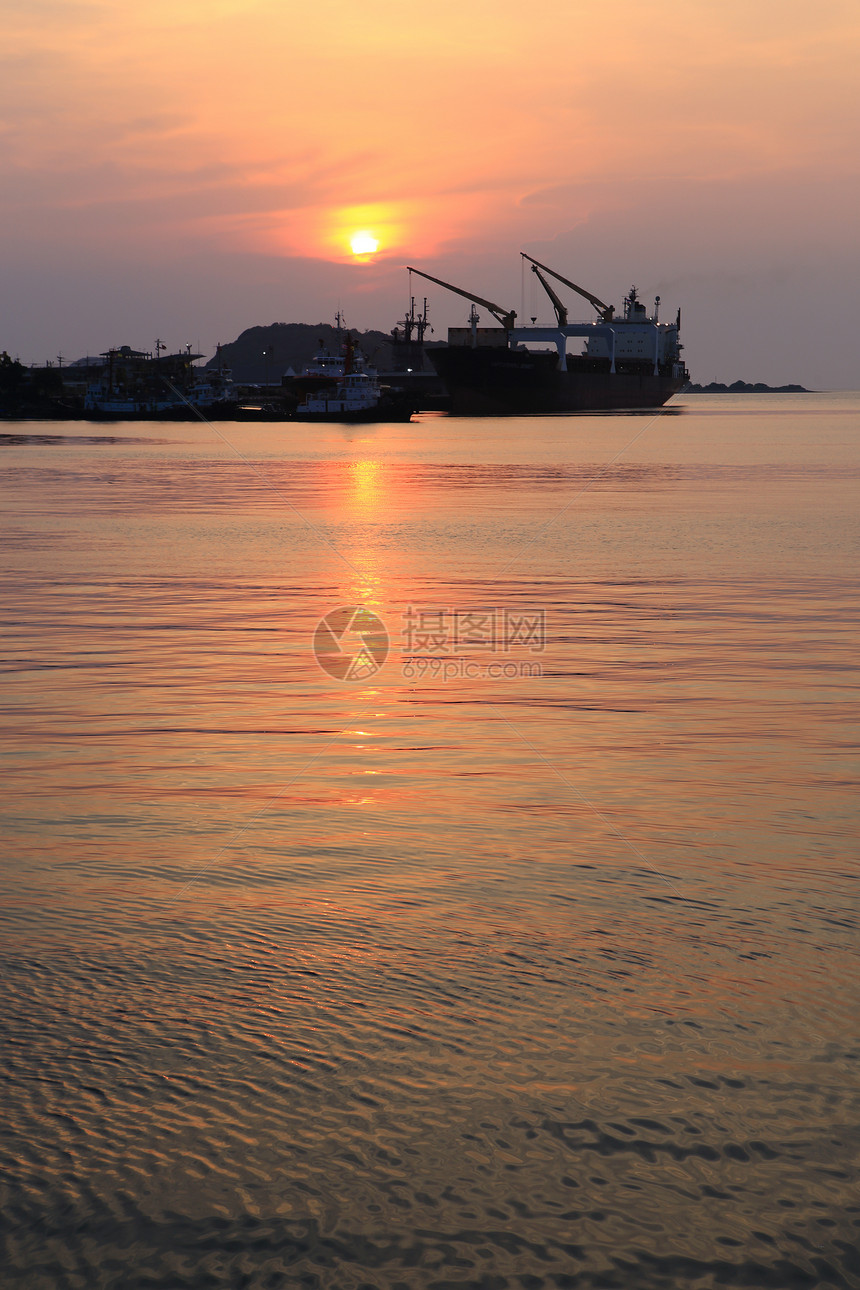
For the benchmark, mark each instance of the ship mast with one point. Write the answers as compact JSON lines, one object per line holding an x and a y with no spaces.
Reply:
{"x":418,"y":324}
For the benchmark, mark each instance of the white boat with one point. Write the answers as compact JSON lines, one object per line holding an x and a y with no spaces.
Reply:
{"x":344,"y":388}
{"x":355,"y":397}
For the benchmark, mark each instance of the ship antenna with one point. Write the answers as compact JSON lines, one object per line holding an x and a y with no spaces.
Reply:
{"x":523,"y":288}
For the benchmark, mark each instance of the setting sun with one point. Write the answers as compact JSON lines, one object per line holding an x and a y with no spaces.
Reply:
{"x":363,"y":243}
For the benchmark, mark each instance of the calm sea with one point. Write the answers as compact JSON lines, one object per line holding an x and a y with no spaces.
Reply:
{"x":525,"y":959}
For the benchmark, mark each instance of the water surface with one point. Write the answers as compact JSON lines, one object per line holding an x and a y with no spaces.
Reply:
{"x":431,"y":980}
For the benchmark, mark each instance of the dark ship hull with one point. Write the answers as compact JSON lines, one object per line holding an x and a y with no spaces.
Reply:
{"x":497,"y":381}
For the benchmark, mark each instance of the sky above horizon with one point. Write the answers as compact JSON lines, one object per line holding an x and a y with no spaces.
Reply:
{"x":186,"y":171}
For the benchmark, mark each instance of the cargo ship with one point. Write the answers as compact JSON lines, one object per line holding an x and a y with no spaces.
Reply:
{"x":625,"y":362}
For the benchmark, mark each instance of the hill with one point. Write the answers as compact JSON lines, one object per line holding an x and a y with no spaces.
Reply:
{"x":745,"y":387}
{"x":291,"y":345}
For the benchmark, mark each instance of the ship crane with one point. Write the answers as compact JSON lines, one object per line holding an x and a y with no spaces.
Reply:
{"x":557,"y":304}
{"x":606,"y":311}
{"x":505,"y":317}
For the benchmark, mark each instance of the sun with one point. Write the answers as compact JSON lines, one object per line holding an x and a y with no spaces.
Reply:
{"x":363,"y":243}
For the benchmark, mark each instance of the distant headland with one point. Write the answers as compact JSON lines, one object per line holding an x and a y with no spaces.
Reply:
{"x":745,"y":387}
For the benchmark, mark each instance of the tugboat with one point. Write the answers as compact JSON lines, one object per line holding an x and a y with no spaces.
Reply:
{"x":633,"y":361}
{"x":346,"y":389}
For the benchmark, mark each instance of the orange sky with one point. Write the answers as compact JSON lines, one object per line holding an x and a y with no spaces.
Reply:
{"x":235,"y":146}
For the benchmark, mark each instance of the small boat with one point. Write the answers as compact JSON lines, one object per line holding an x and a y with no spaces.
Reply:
{"x":134,"y":385}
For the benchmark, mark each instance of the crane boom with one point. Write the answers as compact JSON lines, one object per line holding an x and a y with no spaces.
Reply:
{"x":558,"y":306}
{"x":505,"y":317}
{"x":602,"y":308}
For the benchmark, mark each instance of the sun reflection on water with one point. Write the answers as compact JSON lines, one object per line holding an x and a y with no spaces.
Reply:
{"x":366,"y":487}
